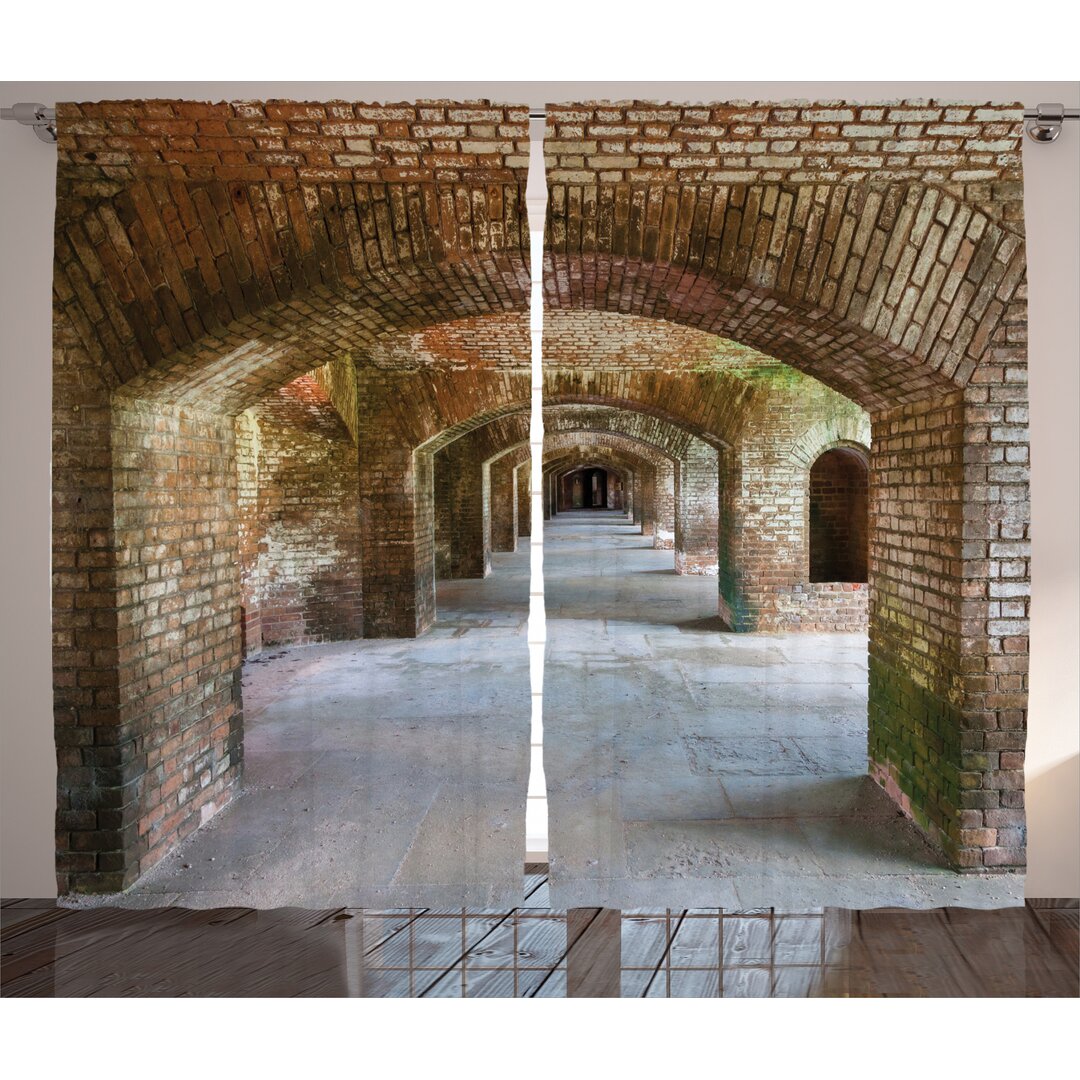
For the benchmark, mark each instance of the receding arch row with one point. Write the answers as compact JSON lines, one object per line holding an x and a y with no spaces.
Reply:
{"x":145,"y":229}
{"x":651,"y":476}
{"x":644,"y":498}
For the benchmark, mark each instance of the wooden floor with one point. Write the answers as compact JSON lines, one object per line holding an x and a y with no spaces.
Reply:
{"x":534,"y":951}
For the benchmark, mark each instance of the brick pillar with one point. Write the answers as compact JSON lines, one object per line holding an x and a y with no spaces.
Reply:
{"x":524,"y":496}
{"x":732,"y":605}
{"x":991,"y":830}
{"x":503,"y":514}
{"x":948,"y":622}
{"x":469,"y":496}
{"x":165,"y":753}
{"x":664,"y":506}
{"x":696,"y":510}
{"x":96,"y":815}
{"x":397,"y":529}
{"x":444,"y":516}
{"x":763,"y":528}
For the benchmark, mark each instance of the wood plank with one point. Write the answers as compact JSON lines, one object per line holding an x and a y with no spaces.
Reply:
{"x":594,"y":953}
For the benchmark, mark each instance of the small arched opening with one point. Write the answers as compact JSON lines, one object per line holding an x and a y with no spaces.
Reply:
{"x":839,"y":516}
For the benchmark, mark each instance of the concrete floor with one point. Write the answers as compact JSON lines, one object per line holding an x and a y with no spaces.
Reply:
{"x":691,"y":767}
{"x":687,"y":767}
{"x":377,"y":773}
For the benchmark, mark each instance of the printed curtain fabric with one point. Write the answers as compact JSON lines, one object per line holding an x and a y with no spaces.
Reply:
{"x":767,"y":491}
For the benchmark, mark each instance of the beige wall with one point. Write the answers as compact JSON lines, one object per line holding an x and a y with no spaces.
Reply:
{"x":1052,"y":178}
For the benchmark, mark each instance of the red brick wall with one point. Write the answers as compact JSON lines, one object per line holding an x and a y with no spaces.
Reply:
{"x":299,"y":520}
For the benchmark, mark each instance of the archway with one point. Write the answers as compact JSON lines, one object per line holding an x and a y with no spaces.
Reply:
{"x":904,"y":295}
{"x":185,"y":293}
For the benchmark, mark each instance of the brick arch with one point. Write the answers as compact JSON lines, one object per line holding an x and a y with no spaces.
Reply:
{"x":188,"y":231}
{"x":632,"y":464}
{"x":629,"y":417}
{"x":648,"y":459}
{"x":880,"y":250}
{"x":846,"y":429}
{"x":637,"y":474}
{"x":874,"y":354}
{"x":498,"y":423}
{"x":837,"y":513}
{"x":885,"y":284}
{"x":618,"y":441}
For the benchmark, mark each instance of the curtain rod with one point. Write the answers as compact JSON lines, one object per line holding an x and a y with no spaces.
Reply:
{"x":1043,"y":122}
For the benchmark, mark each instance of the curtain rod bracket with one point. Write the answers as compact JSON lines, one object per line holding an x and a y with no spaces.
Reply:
{"x":33,"y":114}
{"x":1045,"y":120}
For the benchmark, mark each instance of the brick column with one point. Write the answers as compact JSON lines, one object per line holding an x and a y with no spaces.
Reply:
{"x":663,"y":506}
{"x":503,"y":501}
{"x":397,"y":529}
{"x":524,"y":496}
{"x":96,"y":814}
{"x":154,"y":700}
{"x":916,"y":565}
{"x":444,"y":515}
{"x":469,"y":496}
{"x":696,"y":510}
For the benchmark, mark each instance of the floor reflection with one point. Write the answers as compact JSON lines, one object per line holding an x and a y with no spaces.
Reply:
{"x":536,"y":951}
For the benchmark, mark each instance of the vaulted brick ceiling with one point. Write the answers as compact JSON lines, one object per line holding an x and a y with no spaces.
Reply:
{"x":240,"y":244}
{"x":876,"y":248}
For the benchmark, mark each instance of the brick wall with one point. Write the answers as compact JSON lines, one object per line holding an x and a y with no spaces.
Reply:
{"x":524,"y":490}
{"x":697,"y":510}
{"x":178,"y":611}
{"x":299,"y":520}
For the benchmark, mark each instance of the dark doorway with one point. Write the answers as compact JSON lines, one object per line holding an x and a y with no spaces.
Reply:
{"x":838,"y":516}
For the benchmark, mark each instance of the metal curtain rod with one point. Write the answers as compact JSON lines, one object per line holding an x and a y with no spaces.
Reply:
{"x":1043,"y":123}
